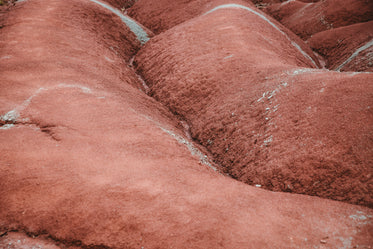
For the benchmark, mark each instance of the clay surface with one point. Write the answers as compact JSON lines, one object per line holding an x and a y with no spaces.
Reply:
{"x":306,"y":18}
{"x":338,"y":45}
{"x":266,"y":118}
{"x":339,"y":31}
{"x":110,"y":142}
{"x":161,"y":15}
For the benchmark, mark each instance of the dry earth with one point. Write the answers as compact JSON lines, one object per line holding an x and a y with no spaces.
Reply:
{"x":341,"y":31}
{"x":160,"y":130}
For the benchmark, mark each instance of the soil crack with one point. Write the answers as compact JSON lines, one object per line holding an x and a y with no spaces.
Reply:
{"x":46,"y":129}
{"x":44,"y":236}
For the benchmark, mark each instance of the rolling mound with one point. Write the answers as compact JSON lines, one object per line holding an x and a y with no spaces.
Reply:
{"x":338,"y":46}
{"x":340,"y":31}
{"x":266,"y":118}
{"x":161,"y":15}
{"x":113,"y":137}
{"x":306,"y":18}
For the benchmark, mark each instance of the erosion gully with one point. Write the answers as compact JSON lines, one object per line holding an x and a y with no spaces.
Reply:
{"x":142,"y":36}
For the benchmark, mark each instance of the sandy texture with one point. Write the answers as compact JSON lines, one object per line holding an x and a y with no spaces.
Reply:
{"x":306,"y":19}
{"x":161,"y":15}
{"x":340,"y":32}
{"x":14,"y":240}
{"x":338,"y":45}
{"x":265,"y":119}
{"x":88,"y":160}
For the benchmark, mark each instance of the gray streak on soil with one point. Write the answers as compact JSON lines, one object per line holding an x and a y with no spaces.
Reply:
{"x":140,"y":33}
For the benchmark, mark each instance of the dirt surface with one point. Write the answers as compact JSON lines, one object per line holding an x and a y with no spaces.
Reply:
{"x":308,"y":18}
{"x":121,"y":4}
{"x":337,"y":45}
{"x":161,"y":15}
{"x":340,"y":31}
{"x":265,"y":119}
{"x":89,"y":160}
{"x":14,"y":240}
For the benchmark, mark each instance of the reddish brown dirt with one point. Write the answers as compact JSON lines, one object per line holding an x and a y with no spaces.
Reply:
{"x":93,"y":162}
{"x":14,"y":240}
{"x":337,"y":45}
{"x":122,"y":4}
{"x":158,"y":13}
{"x":265,"y":119}
{"x":334,"y":30}
{"x":362,"y":63}
{"x":162,"y":15}
{"x":306,"y":19}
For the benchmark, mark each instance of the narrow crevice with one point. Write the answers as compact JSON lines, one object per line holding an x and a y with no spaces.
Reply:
{"x":133,"y":25}
{"x":2,"y":234}
{"x":145,"y":87}
{"x":46,"y":129}
{"x":183,"y":124}
{"x":128,"y":4}
{"x":5,"y":122}
{"x":147,"y":90}
{"x":43,"y":235}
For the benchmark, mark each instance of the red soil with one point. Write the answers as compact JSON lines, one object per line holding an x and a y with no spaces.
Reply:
{"x":14,"y":240}
{"x":361,"y":63}
{"x":265,"y":120}
{"x":121,"y":4}
{"x":306,"y":19}
{"x":161,"y":15}
{"x":152,"y":14}
{"x":91,"y":161}
{"x":337,"y":45}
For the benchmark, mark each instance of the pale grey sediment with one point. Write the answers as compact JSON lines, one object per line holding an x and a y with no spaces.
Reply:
{"x":356,"y":53}
{"x":140,"y":33}
{"x":294,"y":44}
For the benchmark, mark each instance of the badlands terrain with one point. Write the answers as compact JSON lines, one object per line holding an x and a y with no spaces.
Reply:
{"x":186,"y":124}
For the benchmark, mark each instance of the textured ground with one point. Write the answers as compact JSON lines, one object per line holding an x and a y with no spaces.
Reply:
{"x":266,"y":118}
{"x":108,"y":142}
{"x":337,"y":45}
{"x":340,"y":31}
{"x":306,"y":18}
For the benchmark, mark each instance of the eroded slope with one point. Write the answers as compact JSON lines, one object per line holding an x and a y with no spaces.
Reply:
{"x":88,"y":160}
{"x":265,"y":117}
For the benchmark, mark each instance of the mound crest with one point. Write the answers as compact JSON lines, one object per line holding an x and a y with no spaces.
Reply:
{"x":110,"y":140}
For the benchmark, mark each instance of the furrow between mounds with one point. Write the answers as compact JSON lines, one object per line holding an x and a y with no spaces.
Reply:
{"x":358,"y":51}
{"x":162,"y":15}
{"x":306,"y":19}
{"x":137,"y":29}
{"x":349,"y":43}
{"x":268,"y":21}
{"x":251,"y":101}
{"x":122,"y":174}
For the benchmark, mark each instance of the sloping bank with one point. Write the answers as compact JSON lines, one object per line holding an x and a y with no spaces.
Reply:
{"x":252,"y":100}
{"x":92,"y":162}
